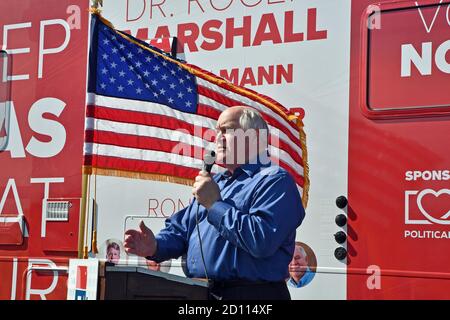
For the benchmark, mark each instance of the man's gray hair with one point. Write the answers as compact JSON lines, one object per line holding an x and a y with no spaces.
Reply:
{"x":302,"y":250}
{"x":252,"y":119}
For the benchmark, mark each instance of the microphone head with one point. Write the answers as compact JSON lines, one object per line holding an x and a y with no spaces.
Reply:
{"x":208,"y":160}
{"x":210,"y":157}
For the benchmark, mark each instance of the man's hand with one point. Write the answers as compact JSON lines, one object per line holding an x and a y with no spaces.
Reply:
{"x":206,"y":190}
{"x":140,"y":242}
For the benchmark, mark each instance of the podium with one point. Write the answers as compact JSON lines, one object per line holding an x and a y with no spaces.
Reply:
{"x":138,"y":283}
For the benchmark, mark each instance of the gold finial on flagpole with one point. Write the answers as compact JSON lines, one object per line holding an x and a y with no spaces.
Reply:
{"x":94,"y":248}
{"x":95,"y":3}
{"x":94,"y":9}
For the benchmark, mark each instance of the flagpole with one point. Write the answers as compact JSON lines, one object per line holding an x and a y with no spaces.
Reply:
{"x":94,"y":248}
{"x":89,"y":170}
{"x":82,"y":228}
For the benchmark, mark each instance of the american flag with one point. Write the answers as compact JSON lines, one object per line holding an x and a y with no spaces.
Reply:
{"x":148,"y":115}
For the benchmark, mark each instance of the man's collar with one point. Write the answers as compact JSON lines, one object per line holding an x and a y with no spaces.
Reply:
{"x":253,"y":166}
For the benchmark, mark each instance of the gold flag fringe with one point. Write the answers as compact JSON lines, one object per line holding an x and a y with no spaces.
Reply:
{"x":300,"y":125}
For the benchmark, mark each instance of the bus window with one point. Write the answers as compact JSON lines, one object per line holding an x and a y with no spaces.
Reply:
{"x":405,"y":72}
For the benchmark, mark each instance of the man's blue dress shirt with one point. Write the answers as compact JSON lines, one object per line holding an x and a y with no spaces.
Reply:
{"x":249,"y":234}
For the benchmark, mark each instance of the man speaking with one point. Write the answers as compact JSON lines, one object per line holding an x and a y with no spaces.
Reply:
{"x":240,"y":229}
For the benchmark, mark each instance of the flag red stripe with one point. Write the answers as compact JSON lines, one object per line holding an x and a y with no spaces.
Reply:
{"x":162,"y":168}
{"x":147,"y":143}
{"x":282,"y":145}
{"x":207,"y":111}
{"x":300,"y":180}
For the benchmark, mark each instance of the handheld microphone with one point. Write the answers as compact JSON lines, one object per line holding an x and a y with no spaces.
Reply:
{"x":208,"y":161}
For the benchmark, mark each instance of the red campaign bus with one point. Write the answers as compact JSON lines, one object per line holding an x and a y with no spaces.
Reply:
{"x":370,"y":77}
